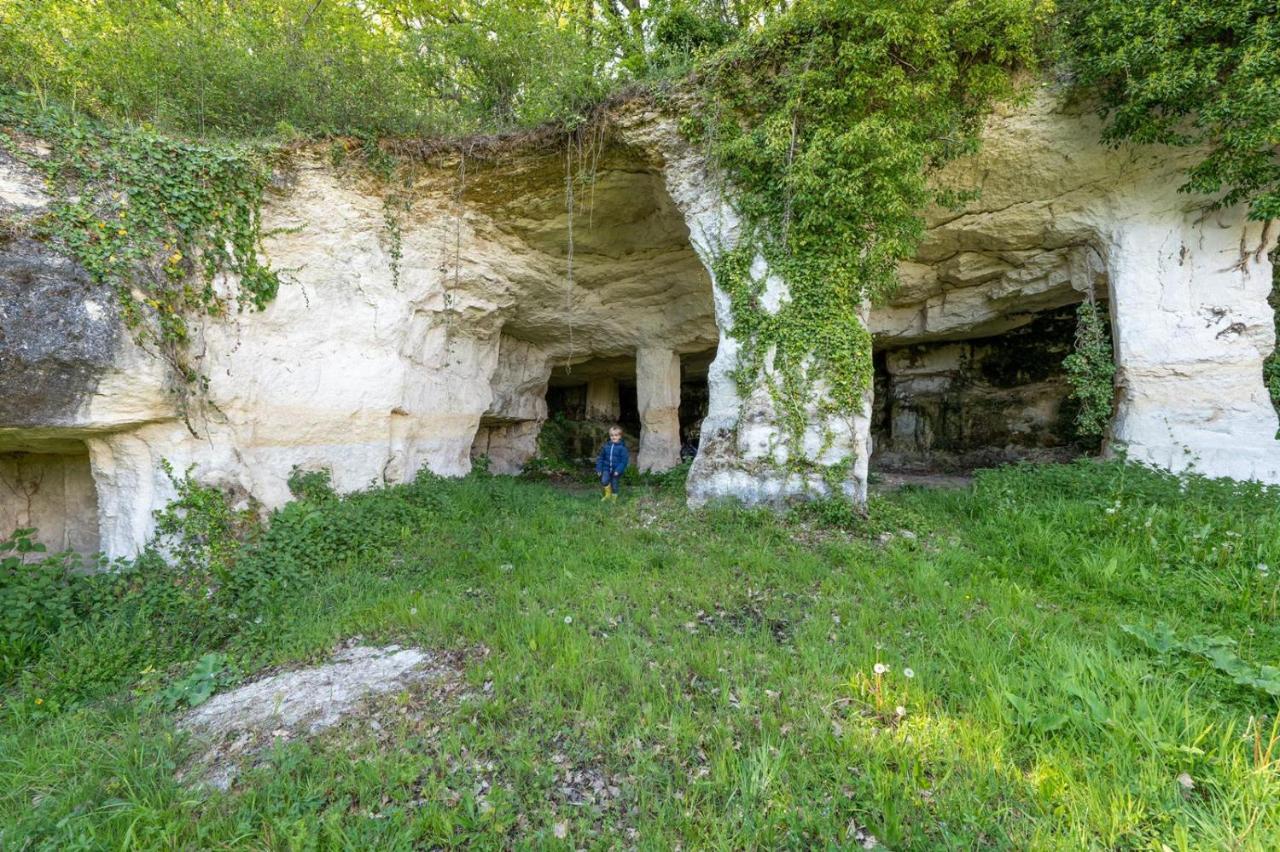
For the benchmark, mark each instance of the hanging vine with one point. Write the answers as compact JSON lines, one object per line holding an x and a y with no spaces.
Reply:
{"x":829,"y":124}
{"x":568,"y":277}
{"x":1271,"y":367}
{"x":173,"y":226}
{"x":1091,"y":371}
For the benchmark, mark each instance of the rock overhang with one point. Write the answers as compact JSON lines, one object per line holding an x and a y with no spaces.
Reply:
{"x":384,"y":354}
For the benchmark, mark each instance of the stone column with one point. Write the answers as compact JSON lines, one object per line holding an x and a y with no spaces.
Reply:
{"x":658,"y":398}
{"x":125,"y":474}
{"x":741,"y":455}
{"x":603,"y":402}
{"x":1192,"y":328}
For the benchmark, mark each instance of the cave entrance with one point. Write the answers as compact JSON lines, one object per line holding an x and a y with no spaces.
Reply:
{"x":49,"y":485}
{"x":659,"y":398}
{"x":956,"y":405}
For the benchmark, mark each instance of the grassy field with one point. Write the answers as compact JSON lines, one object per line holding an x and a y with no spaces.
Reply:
{"x":1088,"y":648}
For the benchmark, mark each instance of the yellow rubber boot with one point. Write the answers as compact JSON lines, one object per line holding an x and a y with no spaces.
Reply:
{"x":608,"y":492}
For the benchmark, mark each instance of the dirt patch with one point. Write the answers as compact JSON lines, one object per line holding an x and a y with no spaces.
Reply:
{"x":239,"y":724}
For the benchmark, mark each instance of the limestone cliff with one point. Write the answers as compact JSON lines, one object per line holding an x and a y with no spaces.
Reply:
{"x":425,"y":342}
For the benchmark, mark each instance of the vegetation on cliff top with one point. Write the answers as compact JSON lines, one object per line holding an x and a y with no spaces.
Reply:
{"x":827,"y":115}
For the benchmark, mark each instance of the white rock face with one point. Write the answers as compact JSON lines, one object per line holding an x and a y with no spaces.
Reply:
{"x":304,"y":702}
{"x":744,"y":453}
{"x":376,"y":375}
{"x":1192,"y":330}
{"x":1060,"y":215}
{"x":658,"y":398}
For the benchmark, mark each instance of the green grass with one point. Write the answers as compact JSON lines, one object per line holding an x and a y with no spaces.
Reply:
{"x":717,"y":669}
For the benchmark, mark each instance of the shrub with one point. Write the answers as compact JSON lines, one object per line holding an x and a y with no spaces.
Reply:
{"x":35,"y":597}
{"x":1091,"y":371}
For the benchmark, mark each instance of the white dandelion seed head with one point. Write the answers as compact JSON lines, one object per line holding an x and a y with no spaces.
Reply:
{"x":881,"y":668}
{"x":568,"y":619}
{"x":900,"y":710}
{"x":413,"y":610}
{"x":908,"y":673}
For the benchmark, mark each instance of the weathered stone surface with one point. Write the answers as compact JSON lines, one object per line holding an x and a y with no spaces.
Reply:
{"x":978,"y":402}
{"x":603,"y":401}
{"x":1059,"y":214}
{"x":54,"y":493}
{"x":303,"y":703}
{"x":58,"y":335}
{"x":658,"y":398}
{"x":376,"y":375}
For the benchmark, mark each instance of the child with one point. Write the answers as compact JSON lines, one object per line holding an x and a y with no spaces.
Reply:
{"x":612,"y":462}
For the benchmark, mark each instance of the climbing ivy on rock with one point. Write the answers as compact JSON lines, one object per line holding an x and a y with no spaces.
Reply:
{"x":1091,"y":371}
{"x":829,"y":124}
{"x":173,"y":225}
{"x":1199,"y":73}
{"x":1271,"y":367}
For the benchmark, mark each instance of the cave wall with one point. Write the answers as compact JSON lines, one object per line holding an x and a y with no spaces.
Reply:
{"x":978,"y":402}
{"x":53,"y":492}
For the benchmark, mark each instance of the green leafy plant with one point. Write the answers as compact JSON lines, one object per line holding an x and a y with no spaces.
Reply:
{"x":200,"y":531}
{"x":1195,"y":73}
{"x":311,"y":486}
{"x":1218,"y":651}
{"x":828,"y":125}
{"x":1271,"y":367}
{"x":1091,"y":371}
{"x":35,"y":596}
{"x":196,"y":687}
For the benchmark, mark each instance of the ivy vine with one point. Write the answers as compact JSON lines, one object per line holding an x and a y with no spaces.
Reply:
{"x":162,"y":220}
{"x":1091,"y":371}
{"x":1271,"y":367}
{"x":829,"y":124}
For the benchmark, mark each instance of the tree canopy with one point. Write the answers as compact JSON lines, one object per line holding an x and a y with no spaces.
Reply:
{"x":1203,"y":73}
{"x":378,"y":67}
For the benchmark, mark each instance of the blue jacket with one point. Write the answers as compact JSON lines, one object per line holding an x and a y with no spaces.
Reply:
{"x":613,"y":458}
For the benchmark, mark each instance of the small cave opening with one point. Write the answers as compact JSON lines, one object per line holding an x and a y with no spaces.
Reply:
{"x":585,"y":399}
{"x":956,"y":405}
{"x":48,"y":485}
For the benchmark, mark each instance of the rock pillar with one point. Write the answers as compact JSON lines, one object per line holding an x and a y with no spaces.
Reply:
{"x":603,"y":402}
{"x":1192,"y":328}
{"x":742,"y":454}
{"x":658,"y":398}
{"x":126,"y":475}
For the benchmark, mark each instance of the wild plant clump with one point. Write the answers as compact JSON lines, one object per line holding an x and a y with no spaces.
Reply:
{"x":1091,"y":371}
{"x":214,"y":571}
{"x":828,"y":125}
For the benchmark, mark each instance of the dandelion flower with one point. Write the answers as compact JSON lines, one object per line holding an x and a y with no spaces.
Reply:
{"x":881,"y":668}
{"x":568,"y":619}
{"x":908,"y":673}
{"x":39,"y":700}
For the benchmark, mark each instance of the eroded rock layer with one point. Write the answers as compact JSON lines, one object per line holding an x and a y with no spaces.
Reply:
{"x":421,"y":327}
